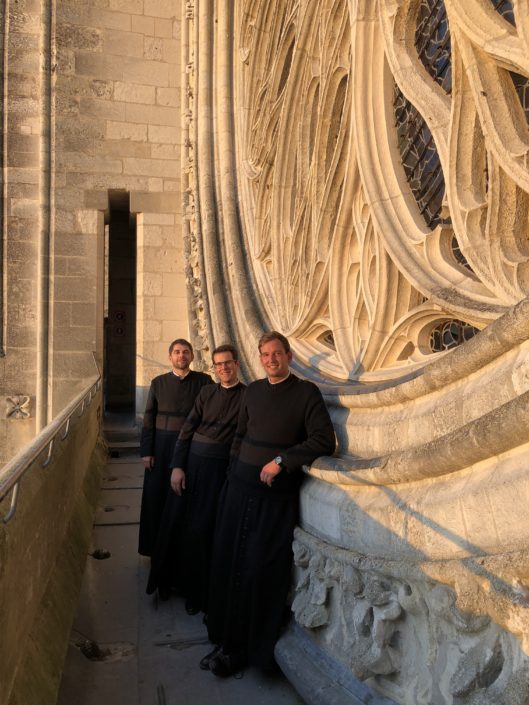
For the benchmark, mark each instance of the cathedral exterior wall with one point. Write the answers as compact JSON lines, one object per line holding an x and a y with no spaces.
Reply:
{"x":91,"y":110}
{"x":370,"y":194}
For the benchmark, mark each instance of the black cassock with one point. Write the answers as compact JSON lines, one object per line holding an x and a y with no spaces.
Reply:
{"x":169,"y":402}
{"x":182,"y":554}
{"x":252,"y":552}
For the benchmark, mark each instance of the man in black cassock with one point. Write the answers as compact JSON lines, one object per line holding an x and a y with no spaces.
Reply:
{"x":182,"y":553}
{"x":283,"y":424}
{"x":170,"y":399}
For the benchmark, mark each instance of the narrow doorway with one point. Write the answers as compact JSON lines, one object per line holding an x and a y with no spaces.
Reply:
{"x":120,"y":306}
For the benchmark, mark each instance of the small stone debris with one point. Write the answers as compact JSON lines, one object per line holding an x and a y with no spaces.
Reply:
{"x":118,"y":651}
{"x":100,"y":554}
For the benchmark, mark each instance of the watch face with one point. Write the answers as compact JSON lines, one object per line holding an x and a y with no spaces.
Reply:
{"x":278,"y":460}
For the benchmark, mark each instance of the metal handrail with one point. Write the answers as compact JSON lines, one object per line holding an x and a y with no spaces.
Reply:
{"x":12,"y":472}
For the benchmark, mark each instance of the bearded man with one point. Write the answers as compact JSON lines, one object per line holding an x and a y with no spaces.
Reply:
{"x":170,"y":399}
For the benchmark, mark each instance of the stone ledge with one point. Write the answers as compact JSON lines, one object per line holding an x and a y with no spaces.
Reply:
{"x":319,"y":679}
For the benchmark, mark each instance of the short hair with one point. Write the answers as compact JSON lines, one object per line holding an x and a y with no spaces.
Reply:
{"x":180,"y":341}
{"x":225,"y":348}
{"x":273,"y":335}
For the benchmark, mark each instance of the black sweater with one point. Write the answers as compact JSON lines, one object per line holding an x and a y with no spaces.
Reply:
{"x":211,"y":422}
{"x":169,"y":402}
{"x":288,"y":419}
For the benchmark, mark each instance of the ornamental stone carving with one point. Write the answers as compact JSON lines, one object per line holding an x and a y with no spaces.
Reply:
{"x":361,"y":182}
{"x":402,"y":632}
{"x":18,"y":407}
{"x":364,"y":152}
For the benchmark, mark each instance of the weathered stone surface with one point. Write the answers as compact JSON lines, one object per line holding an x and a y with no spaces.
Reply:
{"x":410,"y":637}
{"x":37,"y":625}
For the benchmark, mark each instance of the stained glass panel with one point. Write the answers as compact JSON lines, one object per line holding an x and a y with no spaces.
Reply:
{"x":458,"y":255}
{"x":420,"y":160}
{"x":450,"y":334}
{"x":432,"y":41}
{"x":504,"y":7}
{"x":521,"y":83}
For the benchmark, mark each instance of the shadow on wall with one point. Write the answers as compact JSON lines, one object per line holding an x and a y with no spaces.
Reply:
{"x":441,"y":632}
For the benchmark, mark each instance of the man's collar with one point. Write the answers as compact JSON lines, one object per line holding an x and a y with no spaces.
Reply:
{"x":180,"y":376}
{"x":283,"y":379}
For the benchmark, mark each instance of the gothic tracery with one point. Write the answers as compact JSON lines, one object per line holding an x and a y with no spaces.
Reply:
{"x":383,"y":154}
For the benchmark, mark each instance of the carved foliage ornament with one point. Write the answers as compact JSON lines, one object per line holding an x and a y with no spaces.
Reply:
{"x":406,"y":636}
{"x":384,"y":171}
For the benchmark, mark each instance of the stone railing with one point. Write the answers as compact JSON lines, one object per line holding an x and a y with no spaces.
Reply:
{"x":48,"y":494}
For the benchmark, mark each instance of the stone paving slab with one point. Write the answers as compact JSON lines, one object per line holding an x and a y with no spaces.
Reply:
{"x":129,"y":476}
{"x":118,"y":506}
{"x":148,"y":650}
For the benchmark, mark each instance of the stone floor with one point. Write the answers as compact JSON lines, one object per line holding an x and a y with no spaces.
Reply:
{"x":126,"y":647}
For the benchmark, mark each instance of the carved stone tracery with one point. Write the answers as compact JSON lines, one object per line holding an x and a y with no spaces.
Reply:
{"x":307,"y":220}
{"x":317,"y":147}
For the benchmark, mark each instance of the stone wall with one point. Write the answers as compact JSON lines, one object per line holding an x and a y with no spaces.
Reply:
{"x":92,"y":108}
{"x":43,"y":550}
{"x":119,"y":77}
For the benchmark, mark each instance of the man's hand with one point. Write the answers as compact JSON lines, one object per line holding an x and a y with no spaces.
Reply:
{"x":148,"y":461}
{"x":178,"y":480}
{"x":268,"y":473}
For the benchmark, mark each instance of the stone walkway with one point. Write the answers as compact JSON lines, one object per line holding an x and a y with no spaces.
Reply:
{"x":128,"y":648}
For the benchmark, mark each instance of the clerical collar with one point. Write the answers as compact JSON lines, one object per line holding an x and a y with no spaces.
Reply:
{"x":279,"y":380}
{"x":180,"y":376}
{"x":229,"y":386}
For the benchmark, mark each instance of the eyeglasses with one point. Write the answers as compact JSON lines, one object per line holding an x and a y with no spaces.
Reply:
{"x":228,"y":363}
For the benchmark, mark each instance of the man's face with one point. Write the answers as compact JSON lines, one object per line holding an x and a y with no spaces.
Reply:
{"x":180,"y":358}
{"x":226,"y":368}
{"x":274,"y":359}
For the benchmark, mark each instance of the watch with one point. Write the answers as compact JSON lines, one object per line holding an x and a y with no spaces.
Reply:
{"x":278,"y":460}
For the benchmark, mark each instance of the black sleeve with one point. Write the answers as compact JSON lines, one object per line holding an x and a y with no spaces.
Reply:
{"x":185,"y":436}
{"x":320,"y":437}
{"x":240,"y":432}
{"x":149,"y":424}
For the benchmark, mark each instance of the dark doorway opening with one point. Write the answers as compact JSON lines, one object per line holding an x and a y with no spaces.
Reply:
{"x":120,"y":306}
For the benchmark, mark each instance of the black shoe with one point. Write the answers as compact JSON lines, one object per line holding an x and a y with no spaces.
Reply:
{"x":204,"y":662}
{"x":225,"y":665}
{"x":191,"y":608}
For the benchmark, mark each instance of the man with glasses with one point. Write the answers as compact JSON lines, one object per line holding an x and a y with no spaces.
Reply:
{"x":170,"y":399}
{"x":283,"y":424}
{"x":183,"y":551}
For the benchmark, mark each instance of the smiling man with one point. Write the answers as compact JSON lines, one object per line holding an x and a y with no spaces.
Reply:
{"x":283,"y":424}
{"x":182,"y":554}
{"x":170,"y":399}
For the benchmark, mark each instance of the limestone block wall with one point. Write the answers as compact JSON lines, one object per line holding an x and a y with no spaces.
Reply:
{"x":162,"y":312}
{"x":21,"y":219}
{"x":91,"y":106}
{"x":119,"y":129}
